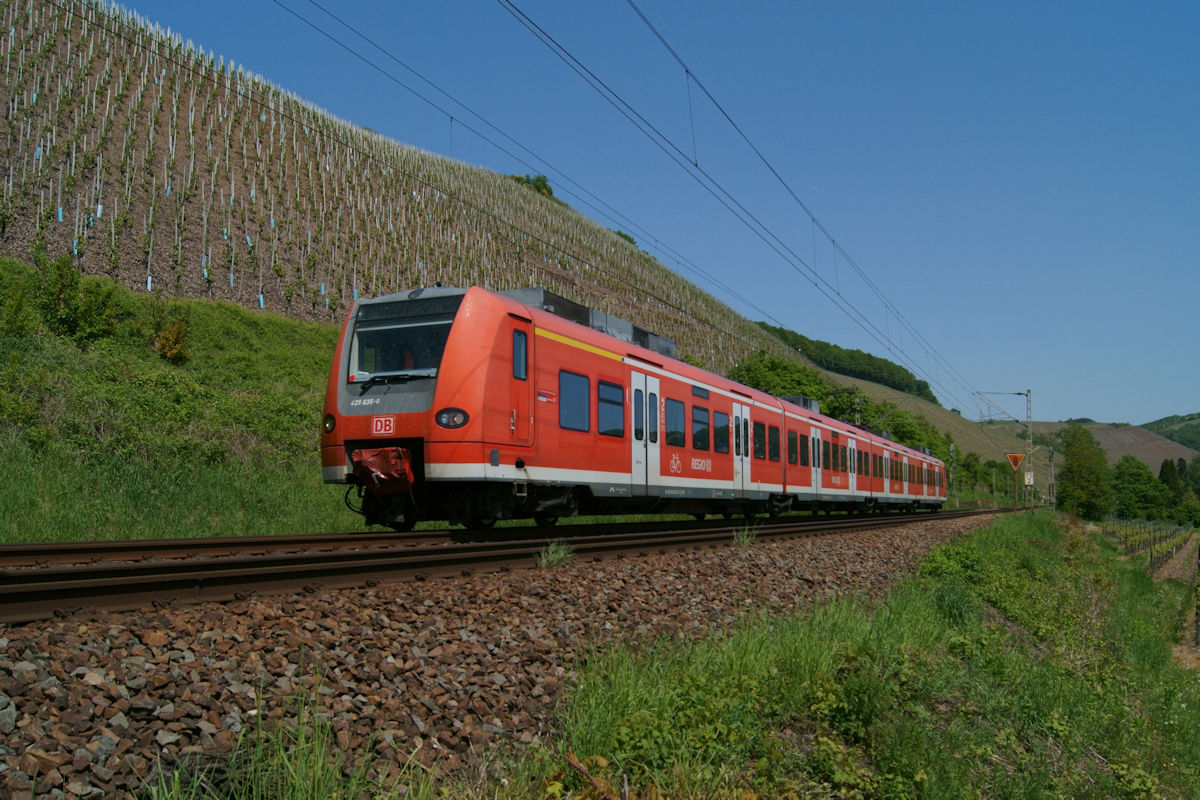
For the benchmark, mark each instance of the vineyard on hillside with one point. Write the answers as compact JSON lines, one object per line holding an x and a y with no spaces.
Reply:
{"x":176,"y":173}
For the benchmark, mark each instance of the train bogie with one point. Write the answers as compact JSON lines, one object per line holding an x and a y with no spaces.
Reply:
{"x":473,"y":406}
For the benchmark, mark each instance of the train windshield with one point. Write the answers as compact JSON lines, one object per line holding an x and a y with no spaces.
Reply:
{"x":402,"y":340}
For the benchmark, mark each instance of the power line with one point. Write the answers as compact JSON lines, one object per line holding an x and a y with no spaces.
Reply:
{"x":608,"y":211}
{"x":816,"y":222}
{"x":715,"y":188}
{"x":127,"y":32}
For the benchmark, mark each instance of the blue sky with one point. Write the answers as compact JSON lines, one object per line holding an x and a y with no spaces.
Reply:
{"x":1020,"y":181}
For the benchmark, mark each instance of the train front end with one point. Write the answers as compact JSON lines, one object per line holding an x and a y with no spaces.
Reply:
{"x":381,"y":401}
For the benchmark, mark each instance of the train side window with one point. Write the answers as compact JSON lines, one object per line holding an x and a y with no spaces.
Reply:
{"x":793,"y":446}
{"x":737,"y":436}
{"x":610,"y":409}
{"x":773,"y":443}
{"x":824,"y":455}
{"x":653,"y":408}
{"x":699,"y":428}
{"x":676,"y":434}
{"x":845,"y":464}
{"x":573,"y":401}
{"x":720,"y":432}
{"x":746,"y":436}
{"x":760,"y":440}
{"x":639,"y":415}
{"x":804,"y":453}
{"x":520,"y":355}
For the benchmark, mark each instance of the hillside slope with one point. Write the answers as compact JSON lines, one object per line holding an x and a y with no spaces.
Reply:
{"x":1181,"y":428}
{"x":1117,"y":440}
{"x":174,"y":172}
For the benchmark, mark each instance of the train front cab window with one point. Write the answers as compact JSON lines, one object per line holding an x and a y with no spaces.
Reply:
{"x":400,"y":337}
{"x":520,"y":354}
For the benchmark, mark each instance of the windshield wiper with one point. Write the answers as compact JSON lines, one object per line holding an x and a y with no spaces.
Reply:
{"x":388,"y":377}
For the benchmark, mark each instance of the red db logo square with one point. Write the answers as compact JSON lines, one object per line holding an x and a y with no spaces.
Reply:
{"x":383,"y":426}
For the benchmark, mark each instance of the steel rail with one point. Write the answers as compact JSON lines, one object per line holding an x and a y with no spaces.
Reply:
{"x":31,"y":594}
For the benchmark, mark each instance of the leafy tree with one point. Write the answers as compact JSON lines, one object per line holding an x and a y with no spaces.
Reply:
{"x":626,"y":237}
{"x":775,"y":376}
{"x":1084,"y":483}
{"x":1168,"y":474}
{"x":1136,"y":492}
{"x":83,"y":310}
{"x":539,"y":183}
{"x":1192,"y":476}
{"x":970,"y":470}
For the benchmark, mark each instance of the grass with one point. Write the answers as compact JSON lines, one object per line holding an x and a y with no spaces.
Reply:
{"x":295,"y":760}
{"x":556,"y":554}
{"x":105,"y":438}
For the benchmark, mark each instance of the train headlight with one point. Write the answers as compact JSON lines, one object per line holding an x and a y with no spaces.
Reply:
{"x":451,"y":418}
{"x":328,"y":424}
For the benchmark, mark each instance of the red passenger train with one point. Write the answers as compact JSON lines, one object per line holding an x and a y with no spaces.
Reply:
{"x":471,"y":406}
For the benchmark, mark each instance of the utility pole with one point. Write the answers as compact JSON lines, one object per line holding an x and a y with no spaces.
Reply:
{"x":1016,"y":459}
{"x":1050,"y":487}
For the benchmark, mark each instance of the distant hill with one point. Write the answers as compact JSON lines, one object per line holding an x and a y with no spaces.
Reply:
{"x":1117,"y":440}
{"x":1184,"y":429}
{"x":853,"y":363}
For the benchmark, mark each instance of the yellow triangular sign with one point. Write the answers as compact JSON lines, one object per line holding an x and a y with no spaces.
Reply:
{"x":1015,"y":459}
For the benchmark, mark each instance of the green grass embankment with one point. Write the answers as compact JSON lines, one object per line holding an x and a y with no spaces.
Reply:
{"x":127,"y":416}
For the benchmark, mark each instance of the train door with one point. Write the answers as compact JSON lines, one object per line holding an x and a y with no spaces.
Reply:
{"x":520,"y":422}
{"x":852,"y":465}
{"x":816,"y":460}
{"x":741,"y":448}
{"x":645,"y":450}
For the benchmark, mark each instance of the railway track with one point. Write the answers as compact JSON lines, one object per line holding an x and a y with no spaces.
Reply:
{"x":46,"y":580}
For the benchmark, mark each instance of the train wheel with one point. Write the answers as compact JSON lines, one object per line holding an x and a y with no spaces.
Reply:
{"x":476,"y":522}
{"x":405,"y":525}
{"x":545,"y":520}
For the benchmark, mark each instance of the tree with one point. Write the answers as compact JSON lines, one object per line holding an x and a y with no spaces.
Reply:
{"x":1192,"y":476}
{"x":1136,"y":492}
{"x":775,"y":376}
{"x":1083,"y":484}
{"x":1168,"y":474}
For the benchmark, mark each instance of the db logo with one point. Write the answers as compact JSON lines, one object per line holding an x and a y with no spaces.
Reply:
{"x":383,"y":426}
{"x":676,"y":464}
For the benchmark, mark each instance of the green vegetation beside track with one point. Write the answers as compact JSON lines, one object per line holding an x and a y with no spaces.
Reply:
{"x":126,"y":416}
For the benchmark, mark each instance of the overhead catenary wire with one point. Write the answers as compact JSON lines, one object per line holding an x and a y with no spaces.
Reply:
{"x":717,"y":189}
{"x":787,"y":187}
{"x":126,"y":31}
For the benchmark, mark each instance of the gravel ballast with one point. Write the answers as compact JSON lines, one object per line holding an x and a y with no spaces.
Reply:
{"x":434,"y":670}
